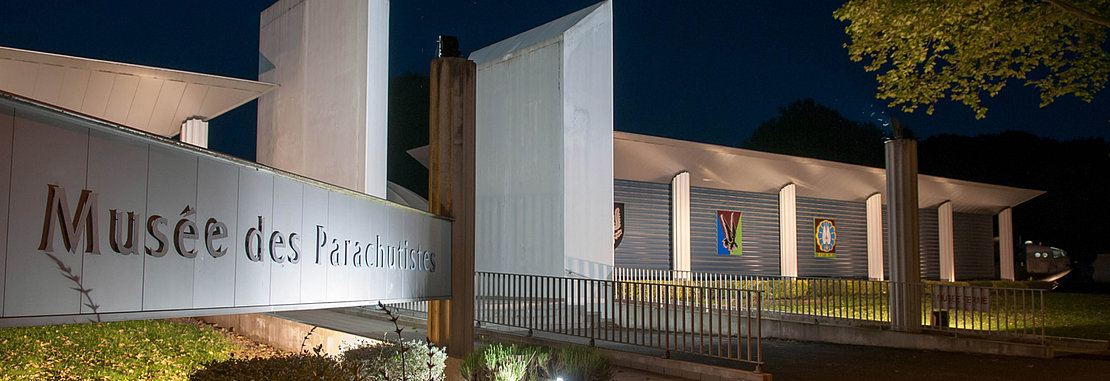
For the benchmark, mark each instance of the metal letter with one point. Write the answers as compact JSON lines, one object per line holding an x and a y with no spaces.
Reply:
{"x":276,"y":242}
{"x":152,"y":228}
{"x":184,"y":230}
{"x":128,"y":246}
{"x":214,"y":230}
{"x":82,"y":221}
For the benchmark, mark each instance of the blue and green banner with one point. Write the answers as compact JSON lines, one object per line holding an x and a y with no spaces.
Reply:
{"x":729,"y":233}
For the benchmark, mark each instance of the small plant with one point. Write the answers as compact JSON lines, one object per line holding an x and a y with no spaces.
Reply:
{"x":581,"y":363}
{"x":301,"y":366}
{"x":383,"y":361}
{"x":506,"y":363}
{"x":318,"y":350}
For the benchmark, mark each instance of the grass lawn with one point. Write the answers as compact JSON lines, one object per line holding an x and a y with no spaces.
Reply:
{"x":109,"y":351}
{"x":1065,"y":314}
{"x":1077,"y":315}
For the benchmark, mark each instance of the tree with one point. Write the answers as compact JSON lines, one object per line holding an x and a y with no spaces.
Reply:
{"x":805,"y":128}
{"x":964,"y":50}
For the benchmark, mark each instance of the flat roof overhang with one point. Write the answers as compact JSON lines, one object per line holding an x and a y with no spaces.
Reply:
{"x":655,"y":159}
{"x":154,"y":100}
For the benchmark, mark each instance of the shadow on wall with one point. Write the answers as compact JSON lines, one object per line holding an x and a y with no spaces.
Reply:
{"x":580,"y":268}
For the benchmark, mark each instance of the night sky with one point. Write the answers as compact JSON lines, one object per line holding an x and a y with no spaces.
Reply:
{"x":708,"y":71}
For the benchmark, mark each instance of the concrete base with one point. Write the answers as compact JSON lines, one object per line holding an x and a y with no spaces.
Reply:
{"x":838,"y":334}
{"x":288,"y":335}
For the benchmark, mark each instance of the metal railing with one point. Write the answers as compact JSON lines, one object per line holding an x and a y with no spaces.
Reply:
{"x":694,"y":319}
{"x":415,"y":309}
{"x":989,"y":311}
{"x":993,"y":311}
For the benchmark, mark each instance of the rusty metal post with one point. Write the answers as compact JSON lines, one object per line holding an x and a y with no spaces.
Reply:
{"x":451,"y":194}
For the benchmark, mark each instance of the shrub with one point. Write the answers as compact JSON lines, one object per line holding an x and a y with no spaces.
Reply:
{"x":288,"y":367}
{"x":382,"y":361}
{"x":580,"y":363}
{"x":506,"y":363}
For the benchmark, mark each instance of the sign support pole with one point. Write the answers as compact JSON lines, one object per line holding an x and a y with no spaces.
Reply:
{"x":905,"y":266}
{"x":451,"y":194}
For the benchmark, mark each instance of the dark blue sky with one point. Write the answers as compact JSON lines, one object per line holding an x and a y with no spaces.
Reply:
{"x":707,"y":71}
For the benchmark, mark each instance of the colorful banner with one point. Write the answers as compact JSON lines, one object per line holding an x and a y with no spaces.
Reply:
{"x":618,"y":223}
{"x":728,"y":233}
{"x":824,"y":238}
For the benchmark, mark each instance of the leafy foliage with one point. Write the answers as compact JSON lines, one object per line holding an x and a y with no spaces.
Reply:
{"x":383,"y":361}
{"x":805,"y":128}
{"x":151,"y":350}
{"x":289,"y":367}
{"x":928,"y":50}
{"x":581,"y":363}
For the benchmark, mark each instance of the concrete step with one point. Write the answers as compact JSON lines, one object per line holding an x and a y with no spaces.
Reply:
{"x":1070,"y":346}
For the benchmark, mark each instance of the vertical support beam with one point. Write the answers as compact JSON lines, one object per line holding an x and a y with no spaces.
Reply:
{"x":1006,"y":244}
{"x":451,"y":194}
{"x":902,"y":217}
{"x":788,"y":230}
{"x":195,"y":131}
{"x":680,"y":221}
{"x":875,"y":237}
{"x":945,"y":231}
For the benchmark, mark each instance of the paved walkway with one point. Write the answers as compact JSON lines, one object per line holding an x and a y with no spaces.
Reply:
{"x":792,"y":360}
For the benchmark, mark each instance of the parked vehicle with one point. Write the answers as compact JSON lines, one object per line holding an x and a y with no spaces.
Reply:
{"x":1043,"y":262}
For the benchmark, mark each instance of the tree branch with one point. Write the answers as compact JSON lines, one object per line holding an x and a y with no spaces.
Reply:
{"x":1088,"y":16}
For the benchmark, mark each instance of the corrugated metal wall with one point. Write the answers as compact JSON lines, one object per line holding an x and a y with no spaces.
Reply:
{"x":929,"y":244}
{"x":759,"y":227}
{"x":851,"y":238}
{"x":647,"y":242}
{"x":974,"y":244}
{"x":647,"y":224}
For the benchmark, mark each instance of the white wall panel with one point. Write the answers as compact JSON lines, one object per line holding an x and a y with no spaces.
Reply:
{"x":788,"y":230}
{"x":214,"y":275}
{"x":394,"y":237}
{"x":255,"y":223}
{"x":339,"y":218}
{"x":41,"y":155}
{"x":314,"y":282}
{"x":285,"y":269}
{"x":117,"y":171}
{"x":588,"y":143}
{"x":360,"y":279}
{"x":172,"y":186}
{"x":7,"y":126}
{"x":173,"y":191}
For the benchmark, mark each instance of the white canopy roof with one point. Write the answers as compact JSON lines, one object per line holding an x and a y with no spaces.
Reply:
{"x":655,"y":159}
{"x":151,"y":99}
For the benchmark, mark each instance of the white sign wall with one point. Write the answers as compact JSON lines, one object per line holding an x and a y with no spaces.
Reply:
{"x":103,"y":223}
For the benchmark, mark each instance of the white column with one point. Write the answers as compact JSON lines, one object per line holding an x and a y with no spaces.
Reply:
{"x":945,"y":230}
{"x":788,"y":230}
{"x":875,"y":237}
{"x":680,"y":221}
{"x":1006,"y":243}
{"x":195,"y":131}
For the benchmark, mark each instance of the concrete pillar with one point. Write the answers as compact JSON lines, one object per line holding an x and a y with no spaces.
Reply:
{"x":902,"y":217}
{"x":451,"y":193}
{"x":195,"y":131}
{"x":1006,"y":244}
{"x":875,"y":237}
{"x":788,"y":231}
{"x":680,"y":221}
{"x":327,"y":120}
{"x":945,"y":230}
